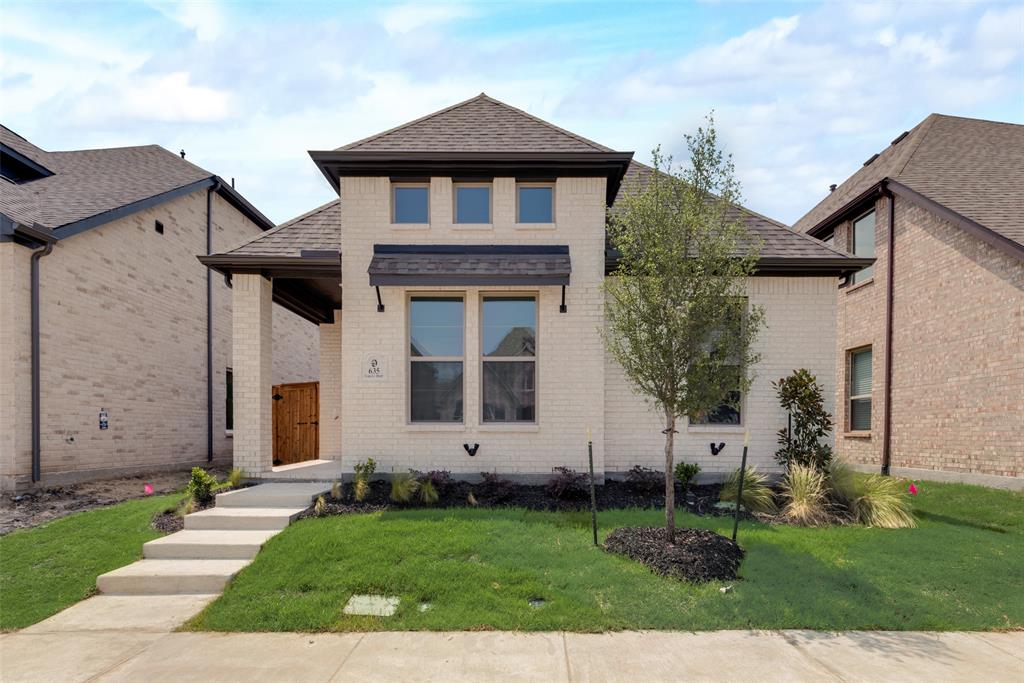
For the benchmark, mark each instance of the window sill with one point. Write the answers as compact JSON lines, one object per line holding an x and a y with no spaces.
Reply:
{"x":469,"y":227}
{"x":230,"y":433}
{"x":716,"y":429}
{"x":540,"y":227}
{"x":428,"y":427}
{"x":857,"y":434}
{"x":530,"y":427}
{"x":853,"y":288}
{"x":412,"y":227}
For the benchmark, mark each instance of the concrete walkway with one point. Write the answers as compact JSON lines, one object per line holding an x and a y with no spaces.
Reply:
{"x":53,"y":651}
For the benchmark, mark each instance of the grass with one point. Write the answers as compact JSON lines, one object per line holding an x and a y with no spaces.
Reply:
{"x":50,"y":567}
{"x":961,"y":569}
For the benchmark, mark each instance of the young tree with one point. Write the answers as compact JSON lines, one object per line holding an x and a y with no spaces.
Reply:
{"x":676,"y":311}
{"x":803,"y":441}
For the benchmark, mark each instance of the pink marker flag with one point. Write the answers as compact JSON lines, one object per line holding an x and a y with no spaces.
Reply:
{"x":148,"y":488}
{"x":912,"y":489}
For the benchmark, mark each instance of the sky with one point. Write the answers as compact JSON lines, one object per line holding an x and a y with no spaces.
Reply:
{"x":802,"y":93}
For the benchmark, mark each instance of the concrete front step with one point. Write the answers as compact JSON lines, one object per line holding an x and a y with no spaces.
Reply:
{"x":242,"y":519}
{"x":165,"y":577}
{"x":274,"y":495}
{"x":207,"y":545}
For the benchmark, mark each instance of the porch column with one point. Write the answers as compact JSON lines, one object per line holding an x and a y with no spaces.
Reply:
{"x":330,"y":389}
{"x":251,"y":339}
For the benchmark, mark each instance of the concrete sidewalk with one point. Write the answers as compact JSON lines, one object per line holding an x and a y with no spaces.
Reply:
{"x":59,"y":654}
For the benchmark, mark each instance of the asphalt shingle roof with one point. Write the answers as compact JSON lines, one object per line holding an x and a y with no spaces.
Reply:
{"x":319,"y":229}
{"x":480,"y":124}
{"x":462,"y":261}
{"x":970,"y":166}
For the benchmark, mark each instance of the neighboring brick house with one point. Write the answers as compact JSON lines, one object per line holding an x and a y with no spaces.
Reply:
{"x":122,"y":311}
{"x":954,"y":407}
{"x":470,"y":249}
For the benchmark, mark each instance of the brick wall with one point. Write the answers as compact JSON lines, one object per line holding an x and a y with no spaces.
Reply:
{"x":799,"y":332}
{"x":958,"y":349}
{"x":123,"y":312}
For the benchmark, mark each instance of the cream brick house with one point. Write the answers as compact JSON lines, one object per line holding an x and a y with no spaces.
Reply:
{"x":131,"y":369}
{"x":930,"y":343}
{"x":458,"y":285}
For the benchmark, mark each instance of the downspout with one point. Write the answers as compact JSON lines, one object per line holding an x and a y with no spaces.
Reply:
{"x":209,"y":321}
{"x":890,"y":261}
{"x":36,"y":421}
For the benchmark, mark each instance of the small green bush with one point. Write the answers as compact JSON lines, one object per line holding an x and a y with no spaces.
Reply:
{"x":882,"y":502}
{"x":757,"y":495}
{"x":201,"y":486}
{"x":403,"y":487}
{"x":428,"y":492}
{"x":364,"y":469}
{"x":805,"y":496}
{"x":686,"y":472}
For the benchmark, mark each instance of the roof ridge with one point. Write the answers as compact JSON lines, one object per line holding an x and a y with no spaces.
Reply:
{"x":925,"y":128}
{"x":409,"y":123}
{"x":535,"y":119}
{"x":287,"y":223}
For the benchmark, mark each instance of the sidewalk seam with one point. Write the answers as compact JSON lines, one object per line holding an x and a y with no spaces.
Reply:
{"x":977,"y":636}
{"x":808,"y":657}
{"x":96,"y":676}
{"x":565,"y":652}
{"x":346,"y":657}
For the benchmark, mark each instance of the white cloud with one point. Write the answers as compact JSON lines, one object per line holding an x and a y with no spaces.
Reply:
{"x":408,"y":17}
{"x":204,"y":17}
{"x":999,"y":36}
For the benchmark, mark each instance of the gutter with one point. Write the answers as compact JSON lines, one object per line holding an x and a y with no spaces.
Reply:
{"x":209,"y":321}
{"x":889,"y":279}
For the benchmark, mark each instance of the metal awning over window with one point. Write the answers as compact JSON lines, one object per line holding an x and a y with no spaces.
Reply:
{"x":439,"y":264}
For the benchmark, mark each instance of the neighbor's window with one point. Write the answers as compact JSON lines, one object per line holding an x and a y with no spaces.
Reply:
{"x":508,"y":347}
{"x":229,"y":405}
{"x":860,"y":390}
{"x":410,"y":203}
{"x":864,"y":243}
{"x":435,"y":358}
{"x":473,"y":203}
{"x":536,"y":204}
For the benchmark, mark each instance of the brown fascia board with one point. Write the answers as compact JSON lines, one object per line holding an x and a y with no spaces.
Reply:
{"x":780,"y":265}
{"x":827,"y":225}
{"x":277,"y":266}
{"x":612,"y":165}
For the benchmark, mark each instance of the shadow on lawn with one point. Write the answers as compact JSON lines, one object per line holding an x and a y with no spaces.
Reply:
{"x":957,"y":521}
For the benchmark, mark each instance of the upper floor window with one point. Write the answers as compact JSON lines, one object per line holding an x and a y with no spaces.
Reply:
{"x":508,"y":347}
{"x":473,"y":203}
{"x":864,"y":243}
{"x":860,"y":390}
{"x":436,"y":343}
{"x":410,"y":203}
{"x":535,"y":203}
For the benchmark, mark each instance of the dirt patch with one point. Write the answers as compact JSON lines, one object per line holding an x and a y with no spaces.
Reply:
{"x":696,"y":555}
{"x":36,"y":507}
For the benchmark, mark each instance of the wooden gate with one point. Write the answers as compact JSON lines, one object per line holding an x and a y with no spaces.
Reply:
{"x":296,"y":422}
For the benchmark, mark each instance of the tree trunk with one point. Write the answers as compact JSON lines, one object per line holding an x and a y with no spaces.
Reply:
{"x":670,"y":486}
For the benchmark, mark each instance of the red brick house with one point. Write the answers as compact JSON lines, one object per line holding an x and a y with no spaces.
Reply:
{"x":931,"y":337}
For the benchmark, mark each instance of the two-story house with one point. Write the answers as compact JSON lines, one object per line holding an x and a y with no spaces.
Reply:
{"x":457,"y":282}
{"x":930,"y":352}
{"x":115,"y":345}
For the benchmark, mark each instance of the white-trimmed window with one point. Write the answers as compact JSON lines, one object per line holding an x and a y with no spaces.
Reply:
{"x":508,"y":357}
{"x":410,"y":203}
{"x":535,"y":203}
{"x":436,"y":355}
{"x":863,"y":243}
{"x":860,"y":390}
{"x":472,"y":202}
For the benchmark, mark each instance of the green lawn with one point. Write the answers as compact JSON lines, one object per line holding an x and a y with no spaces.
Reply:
{"x":963,"y":568}
{"x":45,"y":569}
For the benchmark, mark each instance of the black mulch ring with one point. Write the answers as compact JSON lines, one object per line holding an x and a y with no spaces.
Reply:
{"x":697,"y":555}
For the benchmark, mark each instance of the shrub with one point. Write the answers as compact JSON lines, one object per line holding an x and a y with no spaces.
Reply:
{"x":428,"y":492}
{"x":235,"y":477}
{"x":800,"y":395}
{"x":567,"y":483}
{"x":645,"y":479}
{"x":805,"y":496}
{"x":201,"y":486}
{"x":686,"y":472}
{"x":757,"y":495}
{"x":494,"y":486}
{"x":364,"y":469}
{"x":471,"y":499}
{"x":439,"y":479}
{"x":336,"y":491}
{"x":842,"y":483}
{"x":403,"y":487}
{"x":881,"y":501}
{"x":320,"y":507}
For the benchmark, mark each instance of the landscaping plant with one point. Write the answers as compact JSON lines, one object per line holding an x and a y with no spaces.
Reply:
{"x":757,"y":494}
{"x":364,"y":469}
{"x":686,"y":472}
{"x":644,"y":479}
{"x":678,"y":322}
{"x":336,"y":491}
{"x":567,"y":483}
{"x":320,"y":507}
{"x":804,"y":496}
{"x":881,"y":501}
{"x":428,"y":492}
{"x":803,"y":442}
{"x":201,"y":486}
{"x":403,"y":487}
{"x":493,"y":485}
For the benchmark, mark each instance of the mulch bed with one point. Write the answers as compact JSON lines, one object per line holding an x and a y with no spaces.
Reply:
{"x":613,"y":495}
{"x":170,"y":522}
{"x":696,"y":555}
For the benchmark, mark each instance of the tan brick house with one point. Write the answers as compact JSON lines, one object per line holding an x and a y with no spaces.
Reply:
{"x":930,"y":342}
{"x":458,"y":284}
{"x":132,"y":366}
